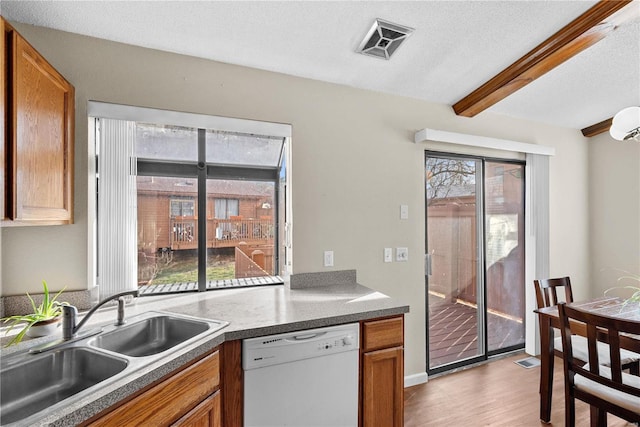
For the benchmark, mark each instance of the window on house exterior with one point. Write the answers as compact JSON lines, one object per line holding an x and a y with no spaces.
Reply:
{"x":209,"y":208}
{"x":182,"y":207}
{"x":226,"y":208}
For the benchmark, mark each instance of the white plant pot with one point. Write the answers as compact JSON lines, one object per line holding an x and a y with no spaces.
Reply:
{"x":44,"y":328}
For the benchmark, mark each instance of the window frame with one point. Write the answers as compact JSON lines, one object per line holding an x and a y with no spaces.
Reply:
{"x":282,"y":177}
{"x":203,"y":172}
{"x":182,"y":201}
{"x":226,"y":211}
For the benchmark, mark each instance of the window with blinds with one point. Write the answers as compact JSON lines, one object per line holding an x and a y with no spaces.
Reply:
{"x":184,"y":208}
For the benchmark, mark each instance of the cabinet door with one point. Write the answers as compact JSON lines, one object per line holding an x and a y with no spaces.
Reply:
{"x":384,"y":333}
{"x":382,"y":382}
{"x":169,"y":400}
{"x":41,"y":141}
{"x":206,"y":414}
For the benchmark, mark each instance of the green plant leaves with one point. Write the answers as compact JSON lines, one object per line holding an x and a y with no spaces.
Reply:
{"x":49,"y":308}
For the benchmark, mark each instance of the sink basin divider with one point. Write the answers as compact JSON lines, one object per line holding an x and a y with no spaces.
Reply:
{"x":52,"y":345}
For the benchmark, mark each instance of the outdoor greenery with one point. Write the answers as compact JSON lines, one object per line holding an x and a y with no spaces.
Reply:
{"x":176,"y":275}
{"x":183,"y":268}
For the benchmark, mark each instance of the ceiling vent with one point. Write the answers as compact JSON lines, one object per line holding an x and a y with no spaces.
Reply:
{"x":383,"y":39}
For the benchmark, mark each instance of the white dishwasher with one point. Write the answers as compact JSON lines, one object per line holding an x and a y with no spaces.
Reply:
{"x":302,"y":379}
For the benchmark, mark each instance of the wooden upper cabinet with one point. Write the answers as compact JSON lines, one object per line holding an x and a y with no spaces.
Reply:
{"x":38,"y":133}
{"x":3,"y":116}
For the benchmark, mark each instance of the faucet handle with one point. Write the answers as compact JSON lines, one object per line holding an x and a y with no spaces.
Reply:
{"x":69,"y":316}
{"x":69,"y":312}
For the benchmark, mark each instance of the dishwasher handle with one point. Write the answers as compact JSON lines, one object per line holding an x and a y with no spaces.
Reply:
{"x":306,"y":337}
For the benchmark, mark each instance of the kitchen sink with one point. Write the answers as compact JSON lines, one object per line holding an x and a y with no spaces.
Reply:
{"x":34,"y":383}
{"x":151,"y":336}
{"x":64,"y":372}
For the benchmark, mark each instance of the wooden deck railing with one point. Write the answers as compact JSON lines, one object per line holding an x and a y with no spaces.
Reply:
{"x":184,"y":234}
{"x":221,"y":233}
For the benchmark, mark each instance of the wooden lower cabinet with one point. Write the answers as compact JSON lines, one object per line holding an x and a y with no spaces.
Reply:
{"x":382,"y":385}
{"x":206,"y":414}
{"x":232,"y":384}
{"x":382,"y":373}
{"x":188,"y":397}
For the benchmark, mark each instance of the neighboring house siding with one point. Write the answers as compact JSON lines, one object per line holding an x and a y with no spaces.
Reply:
{"x":155,"y":223}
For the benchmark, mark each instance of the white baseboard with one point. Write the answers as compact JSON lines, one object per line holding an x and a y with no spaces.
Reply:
{"x":415,"y":379}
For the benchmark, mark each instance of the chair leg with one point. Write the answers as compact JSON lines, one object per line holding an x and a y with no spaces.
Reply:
{"x":602,"y":418}
{"x":598,"y":416}
{"x":634,"y":369}
{"x":569,"y":409}
{"x":546,"y":386}
{"x":593,"y":416}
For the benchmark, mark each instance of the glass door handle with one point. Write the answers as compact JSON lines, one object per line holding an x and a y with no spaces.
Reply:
{"x":427,"y":264}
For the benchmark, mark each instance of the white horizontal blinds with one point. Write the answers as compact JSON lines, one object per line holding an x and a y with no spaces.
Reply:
{"x":117,"y":198}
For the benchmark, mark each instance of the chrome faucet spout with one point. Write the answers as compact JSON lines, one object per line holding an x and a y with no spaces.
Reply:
{"x":70,"y":314}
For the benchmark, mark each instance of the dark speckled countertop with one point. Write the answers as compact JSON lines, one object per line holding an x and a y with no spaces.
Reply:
{"x":251,"y":312}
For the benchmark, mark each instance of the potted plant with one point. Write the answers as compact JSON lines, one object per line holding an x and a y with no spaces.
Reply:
{"x":44,"y":320}
{"x":635,"y":290}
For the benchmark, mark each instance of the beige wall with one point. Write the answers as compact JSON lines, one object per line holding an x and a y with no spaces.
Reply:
{"x":568,"y":219}
{"x":354,"y":164}
{"x":614,"y":207}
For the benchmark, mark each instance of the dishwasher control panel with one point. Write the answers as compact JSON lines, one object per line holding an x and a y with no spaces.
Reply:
{"x":275,"y":349}
{"x":346,"y":341}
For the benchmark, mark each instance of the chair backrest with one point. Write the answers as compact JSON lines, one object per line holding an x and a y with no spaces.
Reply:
{"x":547,"y":294}
{"x":604,"y":329}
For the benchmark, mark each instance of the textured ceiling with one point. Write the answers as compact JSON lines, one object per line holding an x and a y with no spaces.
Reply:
{"x":456,"y":45}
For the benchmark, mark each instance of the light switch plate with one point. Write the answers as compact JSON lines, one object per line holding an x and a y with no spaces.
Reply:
{"x":328,"y":258}
{"x":402,"y":254}
{"x":388,"y":255}
{"x":404,"y":211}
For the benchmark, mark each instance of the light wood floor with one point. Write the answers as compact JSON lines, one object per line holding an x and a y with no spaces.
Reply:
{"x":498,"y":393}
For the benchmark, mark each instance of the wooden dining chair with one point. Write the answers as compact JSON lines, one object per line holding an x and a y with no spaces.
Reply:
{"x":606,"y":389}
{"x":547,"y":291}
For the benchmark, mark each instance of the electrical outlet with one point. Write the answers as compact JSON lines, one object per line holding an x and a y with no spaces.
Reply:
{"x":402,"y":254}
{"x":388,"y":255}
{"x":328,"y":258}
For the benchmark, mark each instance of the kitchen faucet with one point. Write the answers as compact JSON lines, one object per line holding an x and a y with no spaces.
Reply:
{"x":70,"y":313}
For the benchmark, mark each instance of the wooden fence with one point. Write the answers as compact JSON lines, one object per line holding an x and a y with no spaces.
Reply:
{"x":248,"y":266}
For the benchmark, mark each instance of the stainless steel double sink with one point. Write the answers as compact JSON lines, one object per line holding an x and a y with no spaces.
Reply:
{"x":29,"y":384}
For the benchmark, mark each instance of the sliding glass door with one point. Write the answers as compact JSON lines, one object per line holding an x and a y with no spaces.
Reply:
{"x":454,"y":229}
{"x":475,"y":277}
{"x":504,"y":255}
